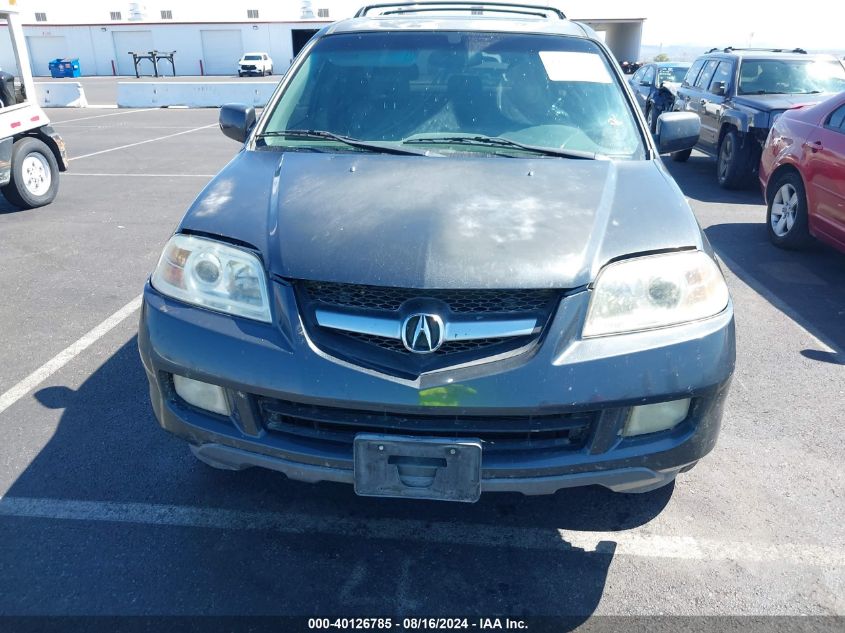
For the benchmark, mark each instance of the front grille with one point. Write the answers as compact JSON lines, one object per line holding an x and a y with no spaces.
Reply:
{"x":566,"y":431}
{"x":459,"y":301}
{"x":449,"y":347}
{"x":246,"y":67}
{"x":395,"y":304}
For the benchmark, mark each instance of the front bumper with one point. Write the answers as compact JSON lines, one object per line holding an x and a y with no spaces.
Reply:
{"x":603,"y":377}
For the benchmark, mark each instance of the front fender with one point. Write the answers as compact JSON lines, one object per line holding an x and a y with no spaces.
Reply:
{"x":739,"y":119}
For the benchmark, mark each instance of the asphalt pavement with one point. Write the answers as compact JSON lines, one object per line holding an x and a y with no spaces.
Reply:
{"x":102,"y":513}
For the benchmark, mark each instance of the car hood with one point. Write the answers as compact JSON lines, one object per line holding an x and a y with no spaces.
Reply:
{"x":778,"y":102}
{"x":428,"y":222}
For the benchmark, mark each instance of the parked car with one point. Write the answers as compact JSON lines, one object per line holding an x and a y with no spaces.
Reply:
{"x":255,"y":64}
{"x":739,"y":93}
{"x":447,"y":259}
{"x":655,"y":86}
{"x":802,"y":174}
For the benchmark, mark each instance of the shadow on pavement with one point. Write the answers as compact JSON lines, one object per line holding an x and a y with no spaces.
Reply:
{"x":697,"y":178}
{"x":107,"y":447}
{"x":807,"y":285}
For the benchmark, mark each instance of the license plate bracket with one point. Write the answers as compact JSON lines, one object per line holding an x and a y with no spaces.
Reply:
{"x":417,"y":467}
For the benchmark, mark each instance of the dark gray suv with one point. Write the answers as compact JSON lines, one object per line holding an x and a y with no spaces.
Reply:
{"x":447,"y":259}
{"x":739,"y":93}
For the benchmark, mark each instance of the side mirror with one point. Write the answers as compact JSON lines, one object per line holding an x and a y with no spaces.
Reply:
{"x":718,"y":88}
{"x":236,"y":120}
{"x":677,"y":131}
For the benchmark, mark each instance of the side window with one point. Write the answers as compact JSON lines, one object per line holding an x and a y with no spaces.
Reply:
{"x":723,"y":74}
{"x":635,"y":78}
{"x":648,"y":78}
{"x":692,"y":73}
{"x":706,"y":74}
{"x":836,"y":121}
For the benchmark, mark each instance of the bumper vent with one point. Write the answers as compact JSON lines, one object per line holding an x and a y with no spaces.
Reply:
{"x":568,"y":431}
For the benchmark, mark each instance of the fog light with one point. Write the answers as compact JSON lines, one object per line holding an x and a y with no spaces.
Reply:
{"x":201,"y":394}
{"x":651,"y":418}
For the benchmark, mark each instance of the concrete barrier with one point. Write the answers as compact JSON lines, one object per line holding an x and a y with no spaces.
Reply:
{"x":151,"y":94}
{"x":61,"y":94}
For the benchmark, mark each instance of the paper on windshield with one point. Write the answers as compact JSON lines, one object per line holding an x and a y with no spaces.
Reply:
{"x":571,"y":66}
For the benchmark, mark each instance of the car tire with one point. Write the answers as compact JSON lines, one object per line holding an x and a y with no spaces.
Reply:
{"x":682,"y":156}
{"x":240,"y":74}
{"x":34,"y":176}
{"x":732,"y":163}
{"x":786,"y":216}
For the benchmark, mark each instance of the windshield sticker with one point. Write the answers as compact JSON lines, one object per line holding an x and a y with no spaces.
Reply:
{"x":569,"y":66}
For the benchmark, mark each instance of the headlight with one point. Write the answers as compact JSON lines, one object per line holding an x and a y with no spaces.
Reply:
{"x":213,"y":275}
{"x":655,"y":291}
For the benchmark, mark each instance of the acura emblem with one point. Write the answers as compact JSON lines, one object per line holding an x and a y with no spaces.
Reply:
{"x":422,"y":333}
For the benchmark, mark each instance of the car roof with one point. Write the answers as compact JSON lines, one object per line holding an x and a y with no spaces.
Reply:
{"x":671,"y":64}
{"x":255,"y":53}
{"x":752,"y":54}
{"x":482,"y":23}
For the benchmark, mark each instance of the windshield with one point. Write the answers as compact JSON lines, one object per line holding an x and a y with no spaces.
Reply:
{"x":673,"y":74}
{"x":545,"y":91}
{"x":777,"y":76}
{"x":252,"y":57}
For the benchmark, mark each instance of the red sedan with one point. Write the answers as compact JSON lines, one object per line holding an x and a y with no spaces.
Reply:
{"x":802,"y":173}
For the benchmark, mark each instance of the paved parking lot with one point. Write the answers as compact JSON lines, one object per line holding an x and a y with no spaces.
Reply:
{"x":103,"y":513}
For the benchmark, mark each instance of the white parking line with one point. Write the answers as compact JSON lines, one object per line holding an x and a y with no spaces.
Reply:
{"x":151,"y":140}
{"x":73,"y":173}
{"x":66,"y":355}
{"x":626,"y":543}
{"x":100,"y":116}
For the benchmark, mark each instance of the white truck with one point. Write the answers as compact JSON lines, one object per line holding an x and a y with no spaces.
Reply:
{"x":31,"y":153}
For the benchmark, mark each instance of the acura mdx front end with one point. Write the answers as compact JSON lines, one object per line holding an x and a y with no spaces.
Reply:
{"x":447,"y":260}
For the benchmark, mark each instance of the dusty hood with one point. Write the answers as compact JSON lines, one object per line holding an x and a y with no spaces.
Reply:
{"x":443,"y":223}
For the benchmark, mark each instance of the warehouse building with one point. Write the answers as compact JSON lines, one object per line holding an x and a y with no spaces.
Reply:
{"x":212,"y":46}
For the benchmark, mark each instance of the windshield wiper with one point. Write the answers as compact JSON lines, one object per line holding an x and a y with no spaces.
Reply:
{"x":347,"y":140}
{"x":499,"y":141}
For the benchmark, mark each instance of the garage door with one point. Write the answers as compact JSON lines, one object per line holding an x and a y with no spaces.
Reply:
{"x":221,"y":51}
{"x":43,"y":49}
{"x":140,"y":42}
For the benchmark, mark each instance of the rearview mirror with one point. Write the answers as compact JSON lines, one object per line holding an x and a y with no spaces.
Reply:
{"x":236,"y":120}
{"x":677,"y":131}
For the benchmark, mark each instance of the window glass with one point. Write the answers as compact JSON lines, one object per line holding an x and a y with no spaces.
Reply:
{"x":836,"y":120}
{"x":671,"y":74}
{"x":648,"y":78}
{"x":723,"y":74}
{"x":12,"y":90}
{"x":551,"y":91}
{"x":706,"y":74}
{"x":693,"y":72}
{"x":790,"y":76}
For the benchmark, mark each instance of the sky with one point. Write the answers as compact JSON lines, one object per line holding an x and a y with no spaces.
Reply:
{"x":810,"y":24}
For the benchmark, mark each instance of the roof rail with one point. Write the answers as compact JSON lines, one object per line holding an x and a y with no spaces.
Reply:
{"x":496,"y":7}
{"x":730,"y":49}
